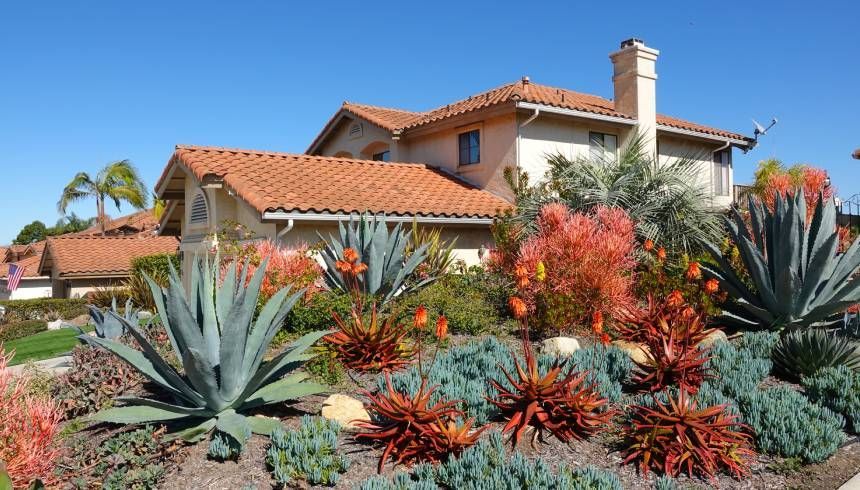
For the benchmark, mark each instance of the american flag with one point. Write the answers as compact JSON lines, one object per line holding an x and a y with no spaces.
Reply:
{"x":14,"y":277}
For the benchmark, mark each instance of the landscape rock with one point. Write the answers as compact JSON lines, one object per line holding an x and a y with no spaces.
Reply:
{"x":54,"y":366}
{"x":713,"y":337}
{"x":560,"y":346}
{"x":344,"y":409}
{"x":638,"y":352}
{"x":144,"y":315}
{"x":56,"y":324}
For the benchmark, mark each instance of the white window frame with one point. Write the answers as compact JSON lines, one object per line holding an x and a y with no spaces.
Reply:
{"x":722,"y":173}
{"x":598,"y":146}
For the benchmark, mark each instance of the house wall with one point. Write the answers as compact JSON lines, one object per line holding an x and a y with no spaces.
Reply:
{"x":28,"y":288}
{"x":79,"y":287}
{"x":672,"y":149}
{"x":372,"y":140}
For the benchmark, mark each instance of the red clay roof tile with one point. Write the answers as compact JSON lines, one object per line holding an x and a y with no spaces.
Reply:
{"x":303,"y":183}
{"x":83,"y":255}
{"x":30,"y":265}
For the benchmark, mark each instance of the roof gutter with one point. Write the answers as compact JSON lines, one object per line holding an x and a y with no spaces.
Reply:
{"x":698,"y":134}
{"x":295,"y":216}
{"x":575,"y":113}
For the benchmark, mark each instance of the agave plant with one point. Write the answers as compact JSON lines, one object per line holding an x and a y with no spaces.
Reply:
{"x":107,"y":324}
{"x":221,"y":347}
{"x":798,"y":277}
{"x":804,"y":352}
{"x":381,"y":251}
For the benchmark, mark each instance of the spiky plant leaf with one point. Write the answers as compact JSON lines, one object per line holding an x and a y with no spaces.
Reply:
{"x":804,"y":352}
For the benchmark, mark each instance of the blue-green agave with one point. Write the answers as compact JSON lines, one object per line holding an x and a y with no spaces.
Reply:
{"x":108,"y":326}
{"x":221,"y":347}
{"x":388,"y":269}
{"x":798,"y":276}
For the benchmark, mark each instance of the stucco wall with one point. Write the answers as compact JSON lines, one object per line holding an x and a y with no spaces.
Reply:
{"x":675,"y":148}
{"x":28,"y":288}
{"x":372,"y":139}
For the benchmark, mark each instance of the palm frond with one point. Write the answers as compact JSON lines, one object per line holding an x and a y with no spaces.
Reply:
{"x":80,"y":187}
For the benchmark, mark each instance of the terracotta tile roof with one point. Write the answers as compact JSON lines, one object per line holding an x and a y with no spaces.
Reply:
{"x":82,"y":255}
{"x":138,"y":221}
{"x":30,"y":265}
{"x":396,"y":119}
{"x":304,"y":183}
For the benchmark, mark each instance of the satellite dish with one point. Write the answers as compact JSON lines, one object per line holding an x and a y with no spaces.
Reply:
{"x":758,"y":129}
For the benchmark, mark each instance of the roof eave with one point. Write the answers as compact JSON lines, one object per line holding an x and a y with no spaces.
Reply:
{"x":334,"y":217}
{"x":744,"y":143}
{"x":576,"y":113}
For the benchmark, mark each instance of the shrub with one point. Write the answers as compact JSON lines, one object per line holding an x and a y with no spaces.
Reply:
{"x":40,"y":309}
{"x":837,"y":388}
{"x":19,"y":330}
{"x":95,"y":379}
{"x":126,"y":460}
{"x":682,"y":437}
{"x":440,"y":253}
{"x":495,"y":286}
{"x":554,"y":401}
{"x":222,"y":351}
{"x":315,"y":313}
{"x":370,"y":344}
{"x":787,"y":424}
{"x":462,"y":302}
{"x":284,"y":268}
{"x":803,"y":352}
{"x":29,"y":428}
{"x":585,"y":263}
{"x":157,"y":268}
{"x":659,"y":278}
{"x":102,"y":297}
{"x":413,"y":428}
{"x":308,"y":453}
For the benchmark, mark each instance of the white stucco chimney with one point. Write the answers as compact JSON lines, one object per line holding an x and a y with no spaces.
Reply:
{"x":635,"y":80}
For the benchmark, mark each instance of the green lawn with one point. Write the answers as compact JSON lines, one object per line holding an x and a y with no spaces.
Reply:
{"x":43,"y":345}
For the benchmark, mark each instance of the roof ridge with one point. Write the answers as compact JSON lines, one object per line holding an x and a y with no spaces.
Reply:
{"x":385,"y":108}
{"x":298,"y":155}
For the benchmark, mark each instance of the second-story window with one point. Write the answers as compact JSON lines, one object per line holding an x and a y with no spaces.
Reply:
{"x":383,"y":156}
{"x":470,"y":147}
{"x":722,"y":168}
{"x":602,"y":146}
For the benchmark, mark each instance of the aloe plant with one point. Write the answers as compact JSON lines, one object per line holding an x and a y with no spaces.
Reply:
{"x":798,"y":277}
{"x":221,"y":347}
{"x":383,"y":253}
{"x":108,"y":326}
{"x":803,"y":352}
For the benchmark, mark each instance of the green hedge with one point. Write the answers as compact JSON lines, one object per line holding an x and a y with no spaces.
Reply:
{"x":156,"y":266}
{"x":19,"y":330}
{"x":316,"y":313}
{"x":40,"y":309}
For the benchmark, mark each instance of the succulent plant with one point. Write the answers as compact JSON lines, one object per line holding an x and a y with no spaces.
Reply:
{"x":223,"y":446}
{"x":803,"y":352}
{"x":837,"y":389}
{"x":682,"y":437}
{"x":798,"y":277}
{"x":222,"y":347}
{"x":383,"y":253}
{"x":108,"y":324}
{"x":370,"y":345}
{"x":308,"y":453}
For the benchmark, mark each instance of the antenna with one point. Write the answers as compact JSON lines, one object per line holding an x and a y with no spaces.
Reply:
{"x":759,"y":130}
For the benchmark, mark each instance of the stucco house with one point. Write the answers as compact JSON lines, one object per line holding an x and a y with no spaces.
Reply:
{"x":32,"y":284}
{"x":443,"y":167}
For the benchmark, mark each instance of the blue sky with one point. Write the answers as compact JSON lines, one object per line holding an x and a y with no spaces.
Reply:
{"x":86,"y":83}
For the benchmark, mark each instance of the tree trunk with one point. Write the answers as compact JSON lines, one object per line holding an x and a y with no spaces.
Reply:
{"x":100,"y":204}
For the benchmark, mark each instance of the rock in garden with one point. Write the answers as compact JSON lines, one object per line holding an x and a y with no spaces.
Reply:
{"x":344,"y":409}
{"x":638,"y":352}
{"x":560,"y":346}
{"x":56,"y":324}
{"x":713,"y":337}
{"x":144,"y":315}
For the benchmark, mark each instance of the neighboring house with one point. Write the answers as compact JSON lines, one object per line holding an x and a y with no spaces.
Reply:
{"x":78,"y":264}
{"x":139,"y":222}
{"x":519,"y":124}
{"x":32,"y":285}
{"x":458,"y":152}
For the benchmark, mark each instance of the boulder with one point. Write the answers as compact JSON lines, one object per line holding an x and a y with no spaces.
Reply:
{"x":560,"y":346}
{"x":716,"y":335}
{"x":144,"y":315}
{"x":56,"y":324}
{"x":638,"y":352}
{"x":344,"y":409}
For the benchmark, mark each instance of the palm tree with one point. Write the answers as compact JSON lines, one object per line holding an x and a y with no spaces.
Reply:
{"x":118,"y":181}
{"x":661,"y":197}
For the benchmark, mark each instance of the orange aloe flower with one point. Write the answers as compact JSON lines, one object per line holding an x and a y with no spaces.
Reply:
{"x":712,"y":286}
{"x":648,"y":245}
{"x":441,"y":327}
{"x":661,"y":254}
{"x":518,"y":307}
{"x":675,"y":299}
{"x":350,"y":255}
{"x":420,"y":317}
{"x":693,"y":271}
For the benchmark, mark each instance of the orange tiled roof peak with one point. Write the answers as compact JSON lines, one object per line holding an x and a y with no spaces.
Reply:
{"x":523,"y":90}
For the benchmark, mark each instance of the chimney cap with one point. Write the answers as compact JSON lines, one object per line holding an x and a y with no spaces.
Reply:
{"x":525,"y":80}
{"x":633,"y":41}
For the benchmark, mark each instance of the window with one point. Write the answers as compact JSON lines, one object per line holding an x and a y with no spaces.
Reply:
{"x":470,"y":147}
{"x":199,"y":210}
{"x":602,"y":146}
{"x":722,"y":168}
{"x":383,"y":156}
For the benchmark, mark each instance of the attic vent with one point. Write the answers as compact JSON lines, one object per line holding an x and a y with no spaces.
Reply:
{"x":199,"y":210}
{"x":356,"y":131}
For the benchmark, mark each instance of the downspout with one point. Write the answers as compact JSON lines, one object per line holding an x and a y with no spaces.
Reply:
{"x":284,"y":231}
{"x":519,"y":135}
{"x":713,"y":193}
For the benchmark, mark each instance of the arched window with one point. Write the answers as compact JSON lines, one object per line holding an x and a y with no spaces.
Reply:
{"x":199,"y":210}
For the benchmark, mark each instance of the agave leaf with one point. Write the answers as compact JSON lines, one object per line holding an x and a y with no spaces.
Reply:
{"x":757,"y":267}
{"x":154,"y":369}
{"x":263,"y":425}
{"x":207,"y":316}
{"x":233,"y":424}
{"x":139,"y":414}
{"x":226,"y":294}
{"x":202,"y":376}
{"x":159,"y":299}
{"x":292,"y":354}
{"x":191,"y":411}
{"x":288,"y":388}
{"x":270,"y":331}
{"x":820,"y":266}
{"x":236,"y":329}
{"x":183,"y":324}
{"x":197,"y":432}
